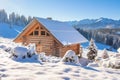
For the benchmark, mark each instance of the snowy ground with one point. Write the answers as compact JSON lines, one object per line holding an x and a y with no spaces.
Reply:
{"x":33,"y":70}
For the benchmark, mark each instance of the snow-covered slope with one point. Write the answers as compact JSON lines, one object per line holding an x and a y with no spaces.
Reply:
{"x":9,"y":32}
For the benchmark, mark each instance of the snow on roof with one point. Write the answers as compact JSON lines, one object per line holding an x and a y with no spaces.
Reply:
{"x":65,"y":33}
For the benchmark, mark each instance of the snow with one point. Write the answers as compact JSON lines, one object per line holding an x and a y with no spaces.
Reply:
{"x":118,"y":50}
{"x":42,"y":57}
{"x":62,"y":31}
{"x":117,"y":32}
{"x":112,"y":62}
{"x":54,"y":69}
{"x":9,"y":32}
{"x":20,"y":51}
{"x":70,"y":57}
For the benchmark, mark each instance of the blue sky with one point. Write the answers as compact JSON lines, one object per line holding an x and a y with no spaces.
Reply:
{"x":64,"y":10}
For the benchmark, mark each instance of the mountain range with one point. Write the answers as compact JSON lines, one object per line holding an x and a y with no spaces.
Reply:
{"x":96,"y":23}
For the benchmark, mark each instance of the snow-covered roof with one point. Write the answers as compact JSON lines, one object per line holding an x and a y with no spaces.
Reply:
{"x":65,"y":33}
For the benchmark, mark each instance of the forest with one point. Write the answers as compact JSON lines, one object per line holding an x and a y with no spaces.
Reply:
{"x":104,"y":35}
{"x":14,"y":19}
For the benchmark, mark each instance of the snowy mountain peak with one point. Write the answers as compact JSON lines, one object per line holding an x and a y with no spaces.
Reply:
{"x":100,"y":19}
{"x":105,"y":20}
{"x":97,"y":23}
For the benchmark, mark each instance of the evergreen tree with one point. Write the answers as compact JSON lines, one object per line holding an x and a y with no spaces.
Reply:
{"x":12,"y":19}
{"x":18,"y":20}
{"x":92,"y":50}
{"x":23,"y":20}
{"x":29,"y":19}
{"x":105,"y":54}
{"x":3,"y":16}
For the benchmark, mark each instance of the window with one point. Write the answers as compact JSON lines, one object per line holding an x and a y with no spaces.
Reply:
{"x":31,"y":33}
{"x":48,"y":34}
{"x":36,"y":32}
{"x":42,"y":32}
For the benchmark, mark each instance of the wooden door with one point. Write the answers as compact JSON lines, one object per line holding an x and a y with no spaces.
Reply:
{"x":38,"y":48}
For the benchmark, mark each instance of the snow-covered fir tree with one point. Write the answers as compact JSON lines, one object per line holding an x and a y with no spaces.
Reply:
{"x":3,"y":16}
{"x":92,"y":50}
{"x":29,"y":19}
{"x":105,"y":54}
{"x":14,"y":19}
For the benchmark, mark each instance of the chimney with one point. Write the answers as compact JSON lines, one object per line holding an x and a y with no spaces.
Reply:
{"x":50,"y":18}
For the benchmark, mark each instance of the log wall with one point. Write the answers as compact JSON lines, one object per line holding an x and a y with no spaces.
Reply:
{"x":74,"y":47}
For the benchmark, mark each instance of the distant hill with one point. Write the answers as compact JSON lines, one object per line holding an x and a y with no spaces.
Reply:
{"x":9,"y":32}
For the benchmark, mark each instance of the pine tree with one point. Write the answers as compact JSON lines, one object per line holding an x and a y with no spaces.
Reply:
{"x":23,"y":20}
{"x":92,"y":50}
{"x":3,"y":16}
{"x":18,"y":20}
{"x":12,"y":19}
{"x":29,"y":19}
{"x":105,"y":54}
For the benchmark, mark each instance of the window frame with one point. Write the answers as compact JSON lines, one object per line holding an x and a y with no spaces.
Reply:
{"x":42,"y":33}
{"x":35,"y":33}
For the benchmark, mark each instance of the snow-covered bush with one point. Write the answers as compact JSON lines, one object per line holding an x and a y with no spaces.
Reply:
{"x":118,"y":50}
{"x":31,"y":50}
{"x":19,"y":52}
{"x":117,"y":55}
{"x":105,"y":54}
{"x":111,"y":62}
{"x":53,"y":59}
{"x":92,"y":50}
{"x":42,"y":57}
{"x":22,"y":54}
{"x":70,"y":56}
{"x":5,"y":47}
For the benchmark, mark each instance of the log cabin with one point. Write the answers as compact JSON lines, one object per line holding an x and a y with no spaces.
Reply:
{"x":51,"y":36}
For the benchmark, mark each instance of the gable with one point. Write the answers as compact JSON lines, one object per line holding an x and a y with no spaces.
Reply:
{"x":34,"y":28}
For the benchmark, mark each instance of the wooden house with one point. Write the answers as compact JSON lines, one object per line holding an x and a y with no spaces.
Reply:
{"x":50,"y":36}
